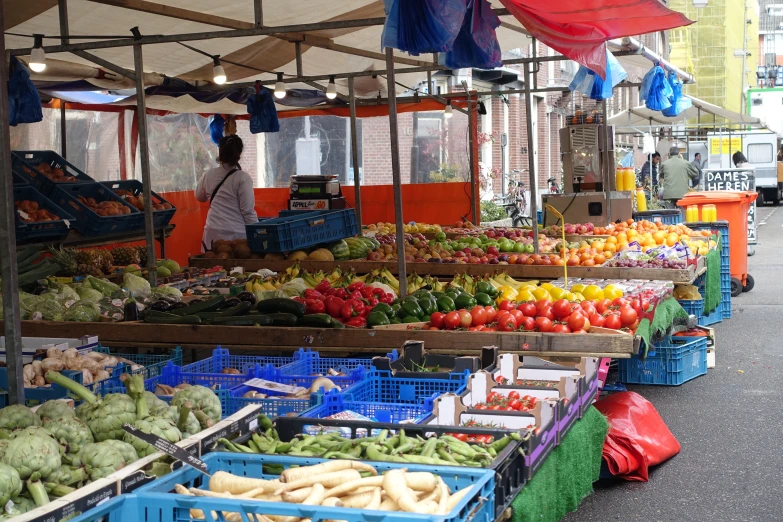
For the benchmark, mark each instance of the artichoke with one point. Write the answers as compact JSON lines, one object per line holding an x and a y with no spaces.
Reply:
{"x":101,"y":460}
{"x":126,"y":450}
{"x":54,"y":410}
{"x":31,"y":431}
{"x":10,"y":483}
{"x":206,"y":405}
{"x":20,"y":506}
{"x":34,"y":458}
{"x":70,"y":432}
{"x":3,"y":447}
{"x":186,"y":421}
{"x":155,"y":405}
{"x":17,"y":417}
{"x":160,"y":426}
{"x":67,"y":476}
{"x":105,"y":417}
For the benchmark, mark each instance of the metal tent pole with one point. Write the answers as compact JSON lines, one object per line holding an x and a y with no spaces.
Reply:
{"x":475,"y":216}
{"x":531,"y":160}
{"x":144,"y":155}
{"x":396,"y":178}
{"x":357,"y":189}
{"x":11,"y":314}
{"x":258,"y":11}
{"x":64,"y":32}
{"x":607,"y":180}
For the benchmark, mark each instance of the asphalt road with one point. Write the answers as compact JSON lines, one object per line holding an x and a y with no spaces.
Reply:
{"x":728,"y":422}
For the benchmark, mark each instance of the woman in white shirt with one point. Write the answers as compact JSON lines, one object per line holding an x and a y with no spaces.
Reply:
{"x":229,"y":191}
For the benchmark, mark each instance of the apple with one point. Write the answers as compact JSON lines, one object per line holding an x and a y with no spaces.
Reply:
{"x":493,"y":261}
{"x":503,"y":258}
{"x":581,"y":229}
{"x":374,"y":256}
{"x":484,"y":260}
{"x":474,"y":260}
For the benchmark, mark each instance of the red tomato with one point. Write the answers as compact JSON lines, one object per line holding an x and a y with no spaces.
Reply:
{"x":529,"y":309}
{"x":543,"y":324}
{"x":515,"y":404}
{"x":506,"y":305}
{"x":588,"y":307}
{"x":547,"y":312}
{"x":576,"y":321}
{"x":645,"y":305}
{"x":517,"y":315}
{"x":542,"y":303}
{"x":507,"y":323}
{"x":465,"y":319}
{"x":613,"y":322}
{"x":479,"y":315}
{"x":481,"y":407}
{"x":493,"y":396}
{"x":597,"y":320}
{"x":528,"y":323}
{"x":451,"y":321}
{"x":628,"y":315}
{"x":436,"y":319}
{"x":561,"y":309}
{"x":602,"y":305}
{"x":620,"y":301}
{"x":561,"y":328}
{"x":637,"y":306}
{"x":491,"y":313}
{"x":578,"y":331}
{"x":494,"y":408}
{"x":513,"y":395}
{"x":460,"y":436}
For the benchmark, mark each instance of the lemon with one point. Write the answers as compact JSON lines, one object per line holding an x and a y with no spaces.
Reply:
{"x":612,"y":291}
{"x":541,"y":293}
{"x":593,"y":293}
{"x":578,"y":288}
{"x":578,"y":297}
{"x":547,"y":286}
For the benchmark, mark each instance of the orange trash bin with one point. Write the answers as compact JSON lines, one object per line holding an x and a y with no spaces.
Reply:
{"x":733,"y":207}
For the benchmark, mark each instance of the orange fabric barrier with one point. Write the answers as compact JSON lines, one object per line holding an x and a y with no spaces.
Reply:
{"x":427,"y":203}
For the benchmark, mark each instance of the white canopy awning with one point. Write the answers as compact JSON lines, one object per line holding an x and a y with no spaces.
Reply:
{"x":641,"y":116}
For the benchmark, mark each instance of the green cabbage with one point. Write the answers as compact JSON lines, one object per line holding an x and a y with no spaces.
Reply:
{"x":102,"y":285}
{"x":293,"y":288}
{"x":47,"y":310}
{"x":167,"y":291}
{"x":83,"y":312}
{"x":137,"y":286}
{"x":90,"y":294}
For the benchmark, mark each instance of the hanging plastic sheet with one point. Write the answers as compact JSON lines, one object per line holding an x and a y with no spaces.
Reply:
{"x":589,"y":83}
{"x":263,"y":114}
{"x":678,"y":101}
{"x":216,"y":128}
{"x":24,"y":104}
{"x":637,"y":439}
{"x":422,"y":26}
{"x":648,"y":144}
{"x":656,"y":91}
{"x":477,"y":43}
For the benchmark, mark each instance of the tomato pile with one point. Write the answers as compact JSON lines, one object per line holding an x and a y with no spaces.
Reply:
{"x":485,"y":439}
{"x":511,"y":402}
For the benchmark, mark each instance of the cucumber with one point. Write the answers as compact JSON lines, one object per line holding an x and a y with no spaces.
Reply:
{"x":241,"y":309}
{"x":281,"y":305}
{"x":40,"y":272}
{"x":283,"y":319}
{"x":208,"y":316}
{"x":173,"y":319}
{"x":315,"y":320}
{"x":337,"y":325}
{"x":245,"y":320}
{"x":27,"y":255}
{"x":208,"y":305}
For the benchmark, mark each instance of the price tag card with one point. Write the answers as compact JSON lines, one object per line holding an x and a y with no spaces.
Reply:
{"x":263,"y":384}
{"x":168,"y":448}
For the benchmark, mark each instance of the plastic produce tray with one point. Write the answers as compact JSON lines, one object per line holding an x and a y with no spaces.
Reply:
{"x":25,"y":163}
{"x":160,"y":218}
{"x":155,"y":498}
{"x":88,"y":222}
{"x":334,"y":402}
{"x":46,"y":230}
{"x":295,"y":232}
{"x":382,"y":386}
{"x":670,"y":364}
{"x":665,"y":216}
{"x":221,"y":359}
{"x":270,"y":406}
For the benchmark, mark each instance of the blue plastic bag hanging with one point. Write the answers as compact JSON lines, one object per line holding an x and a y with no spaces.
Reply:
{"x":477,"y":43}
{"x":216,"y":128}
{"x":263,"y":113}
{"x":678,"y":101}
{"x":422,"y":26}
{"x":589,"y":83}
{"x":24,"y":104}
{"x":656,"y":90}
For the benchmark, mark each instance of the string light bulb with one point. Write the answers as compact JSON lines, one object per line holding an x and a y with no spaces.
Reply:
{"x":37,"y":56}
{"x":331,"y":89}
{"x":279,"y":87}
{"x":448,"y":112}
{"x":218,"y":74}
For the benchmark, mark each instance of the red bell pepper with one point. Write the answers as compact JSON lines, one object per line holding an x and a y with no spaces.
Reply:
{"x":323,"y":286}
{"x":371,"y":302}
{"x":358,"y":322}
{"x":342,"y":293}
{"x":351,"y":308}
{"x":367,"y":292}
{"x":300,"y":300}
{"x":313,"y":294}
{"x":314,"y":306}
{"x":334,"y":305}
{"x":353,"y":287}
{"x":357,"y":295}
{"x":378,"y":292}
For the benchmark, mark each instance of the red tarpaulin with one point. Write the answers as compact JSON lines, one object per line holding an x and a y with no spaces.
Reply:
{"x":580,"y":29}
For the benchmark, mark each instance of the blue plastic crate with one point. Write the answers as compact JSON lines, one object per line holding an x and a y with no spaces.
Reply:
{"x":693,"y":306}
{"x":725,"y":304}
{"x":382,"y":386}
{"x":307,"y":363}
{"x":271,"y":407}
{"x":670,"y":364}
{"x":160,"y":218}
{"x":221,"y":359}
{"x":696,"y":307}
{"x":153,"y":366}
{"x":665,"y":216}
{"x":36,"y":396}
{"x":25,"y":163}
{"x":334,"y":402}
{"x":45,"y":230}
{"x":295,"y":232}
{"x":88,"y":222}
{"x":155,"y":501}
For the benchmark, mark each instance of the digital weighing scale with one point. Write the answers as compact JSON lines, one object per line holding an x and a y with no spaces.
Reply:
{"x":321,"y":192}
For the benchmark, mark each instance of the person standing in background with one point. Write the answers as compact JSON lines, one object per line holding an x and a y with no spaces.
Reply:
{"x":650,"y":171}
{"x":699,"y":164}
{"x":676,"y":175}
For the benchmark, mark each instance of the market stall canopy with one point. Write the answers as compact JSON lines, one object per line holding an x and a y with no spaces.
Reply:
{"x":641,"y":116}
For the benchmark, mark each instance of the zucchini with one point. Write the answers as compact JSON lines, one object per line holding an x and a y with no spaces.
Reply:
{"x":208,"y":305}
{"x":244,"y":320}
{"x":173,"y":319}
{"x":27,"y":255}
{"x":336,"y":324}
{"x":241,"y":309}
{"x":315,"y":321}
{"x":281,"y":305}
{"x":40,"y":272}
{"x":208,"y":316}
{"x":283,"y":319}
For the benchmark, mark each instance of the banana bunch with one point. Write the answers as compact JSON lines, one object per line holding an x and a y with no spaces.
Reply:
{"x":503,"y":279}
{"x":334,"y":276}
{"x":257,"y":285}
{"x":466,"y":282}
{"x":415,"y":282}
{"x":309,"y":279}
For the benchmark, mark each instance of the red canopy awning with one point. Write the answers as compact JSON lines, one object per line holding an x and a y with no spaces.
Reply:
{"x":580,"y":29}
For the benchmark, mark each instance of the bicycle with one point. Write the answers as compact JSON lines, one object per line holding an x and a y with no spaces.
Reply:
{"x":515,"y":203}
{"x":554,"y":187}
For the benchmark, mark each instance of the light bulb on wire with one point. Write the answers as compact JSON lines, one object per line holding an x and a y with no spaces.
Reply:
{"x":448,"y":112}
{"x":218,"y":74}
{"x":37,"y":56}
{"x":279,"y":87}
{"x":331,"y":89}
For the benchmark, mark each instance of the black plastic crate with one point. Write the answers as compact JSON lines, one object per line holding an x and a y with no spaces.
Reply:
{"x":160,"y":218}
{"x":509,"y":466}
{"x":87,"y":221}
{"x":45,"y":230}
{"x":25,"y":163}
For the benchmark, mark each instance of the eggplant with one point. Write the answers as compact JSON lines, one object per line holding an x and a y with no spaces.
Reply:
{"x":160,"y":306}
{"x":247,"y":297}
{"x":230,"y":303}
{"x":177,"y":306}
{"x":131,"y":311}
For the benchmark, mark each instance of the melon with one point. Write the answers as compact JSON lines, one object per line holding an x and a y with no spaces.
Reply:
{"x":297,"y":256}
{"x":321,"y":254}
{"x":274,"y":256}
{"x":340,"y":250}
{"x":171,"y":265}
{"x":163,"y":271}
